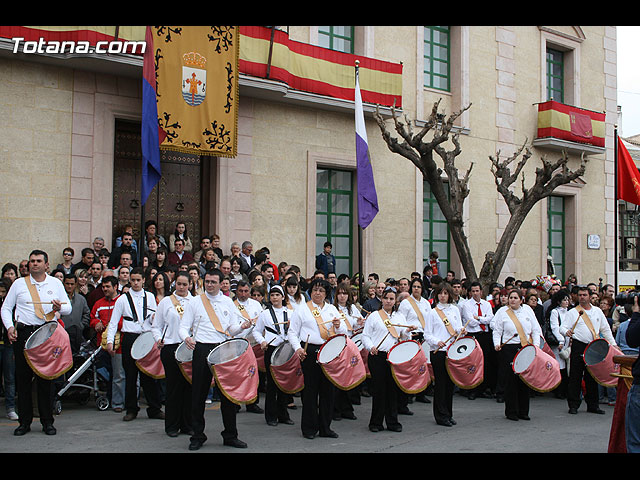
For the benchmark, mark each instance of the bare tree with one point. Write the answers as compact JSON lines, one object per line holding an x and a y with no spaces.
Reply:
{"x":420,"y":152}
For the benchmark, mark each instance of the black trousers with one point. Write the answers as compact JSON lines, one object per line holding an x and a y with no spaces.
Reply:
{"x":148,"y":384}
{"x":202,"y":377}
{"x":24,"y":376}
{"x":384,"y":392}
{"x":442,"y":388}
{"x":275,"y":400}
{"x":577,"y":372}
{"x":178,"y":393}
{"x":516,"y":392}
{"x":317,"y":396}
{"x":490,"y":362}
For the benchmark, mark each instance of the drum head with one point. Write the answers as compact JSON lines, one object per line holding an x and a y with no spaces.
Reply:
{"x":403,"y":352}
{"x":596,"y":351}
{"x":183,"y":353}
{"x":282,"y":354}
{"x":227,"y":351}
{"x":41,"y":335}
{"x":461,"y":348}
{"x":357,"y":339}
{"x":524,"y":358}
{"x":143,"y":345}
{"x":332,"y":348}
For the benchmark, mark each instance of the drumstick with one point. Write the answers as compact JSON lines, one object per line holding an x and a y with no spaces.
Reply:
{"x":457,"y":335}
{"x":44,"y":303}
{"x":385,"y":337}
{"x":504,"y":343}
{"x":306,"y":343}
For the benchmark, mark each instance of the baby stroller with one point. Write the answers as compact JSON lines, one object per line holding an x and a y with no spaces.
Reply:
{"x":84,"y":380}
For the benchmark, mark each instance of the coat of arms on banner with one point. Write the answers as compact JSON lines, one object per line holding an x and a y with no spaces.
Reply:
{"x":194,"y":78}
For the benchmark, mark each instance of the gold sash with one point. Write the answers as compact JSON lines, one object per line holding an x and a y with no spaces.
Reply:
{"x":215,"y":321}
{"x":446,"y":321}
{"x":346,"y":320}
{"x":387,"y":323}
{"x":37,"y":306}
{"x":587,"y":321}
{"x":176,"y":303}
{"x":520,"y":330}
{"x":243,"y":310}
{"x":414,"y":304}
{"x":324,"y":332}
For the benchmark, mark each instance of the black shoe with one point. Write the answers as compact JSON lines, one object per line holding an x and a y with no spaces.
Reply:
{"x":471,"y":396}
{"x":159,"y":415}
{"x":405,"y":411}
{"x":129,"y":416}
{"x":573,"y":411}
{"x":422,"y":399}
{"x":234,"y":442}
{"x":173,"y":434}
{"x":329,"y":434}
{"x":310,"y":436}
{"x":21,"y":430}
{"x":349,"y":416}
{"x":286,"y":421}
{"x":195,"y":444}
{"x":49,"y":429}
{"x":394,"y":428}
{"x":272,"y":423}
{"x":453,"y":422}
{"x":254,"y":408}
{"x":524,"y":417}
{"x":597,"y":410}
{"x":512,"y":417}
{"x":445,"y":423}
{"x":375,"y":428}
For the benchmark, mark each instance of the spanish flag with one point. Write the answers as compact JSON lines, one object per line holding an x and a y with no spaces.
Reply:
{"x":571,"y":123}
{"x":628,"y":176}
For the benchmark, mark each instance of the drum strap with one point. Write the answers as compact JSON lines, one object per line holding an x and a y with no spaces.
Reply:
{"x":387,"y":323}
{"x":37,"y":306}
{"x":215,"y":321}
{"x":133,"y":308}
{"x":520,"y":330}
{"x":446,"y":321}
{"x":416,"y":309}
{"x":275,"y":320}
{"x":176,"y":303}
{"x":346,"y":320}
{"x":587,"y":321}
{"x":315,"y":312}
{"x":243,"y":310}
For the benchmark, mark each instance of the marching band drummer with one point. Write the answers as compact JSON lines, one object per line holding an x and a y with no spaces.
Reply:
{"x":29,"y":317}
{"x":442,"y":328}
{"x":309,"y":329}
{"x":202,"y":326}
{"x":137,"y":308}
{"x":382,"y":330}
{"x":165,"y":330}
{"x":354,"y":321}
{"x":270,"y":332}
{"x":416,"y":310}
{"x":514,"y":326}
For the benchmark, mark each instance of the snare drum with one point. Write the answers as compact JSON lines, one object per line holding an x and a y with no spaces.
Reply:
{"x":48,"y":351}
{"x":147,"y":356}
{"x":235,"y":370}
{"x":286,"y":369}
{"x":341,"y":362}
{"x":364,"y":353}
{"x":598,"y":358}
{"x":184,"y":357}
{"x":409,"y":366}
{"x":536,"y":368}
{"x":465,"y":363}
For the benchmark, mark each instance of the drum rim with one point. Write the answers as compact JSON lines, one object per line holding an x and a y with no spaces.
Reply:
{"x":180,"y":348}
{"x":277,"y":349}
{"x":52,"y":326}
{"x":229,"y":340}
{"x":586,"y":349}
{"x":338,"y":335}
{"x":471,"y":340}
{"x":419,"y":347}
{"x":147,"y":334}
{"x":513,"y":362}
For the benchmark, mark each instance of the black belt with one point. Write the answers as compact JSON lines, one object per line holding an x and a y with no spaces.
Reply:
{"x":24,"y":327}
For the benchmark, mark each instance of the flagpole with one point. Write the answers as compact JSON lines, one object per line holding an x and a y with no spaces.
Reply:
{"x":616,"y":210}
{"x":360,"y":266}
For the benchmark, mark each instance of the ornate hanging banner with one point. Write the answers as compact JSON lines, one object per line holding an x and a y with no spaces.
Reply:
{"x":197,"y":88}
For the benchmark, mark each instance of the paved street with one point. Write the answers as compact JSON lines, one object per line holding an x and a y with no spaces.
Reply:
{"x":481,"y":428}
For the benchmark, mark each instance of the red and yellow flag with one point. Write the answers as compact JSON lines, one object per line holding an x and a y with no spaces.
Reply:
{"x":570,"y":123}
{"x":628,"y":176}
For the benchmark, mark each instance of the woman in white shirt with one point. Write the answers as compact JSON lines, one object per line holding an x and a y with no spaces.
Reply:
{"x":439,"y":336}
{"x":379,"y":338}
{"x":558,"y":309}
{"x":507,"y":342}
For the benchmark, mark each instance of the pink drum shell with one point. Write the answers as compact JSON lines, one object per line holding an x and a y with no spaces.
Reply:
{"x":409,"y":366}
{"x":539,"y":370}
{"x":466,"y":371}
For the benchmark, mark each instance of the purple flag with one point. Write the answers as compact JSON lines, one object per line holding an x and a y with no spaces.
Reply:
{"x":367,"y":197}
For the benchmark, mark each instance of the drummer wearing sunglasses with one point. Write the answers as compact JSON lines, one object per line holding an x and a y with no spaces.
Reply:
{"x":30,"y":314}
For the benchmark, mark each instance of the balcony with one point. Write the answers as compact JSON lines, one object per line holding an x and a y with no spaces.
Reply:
{"x":572,"y":129}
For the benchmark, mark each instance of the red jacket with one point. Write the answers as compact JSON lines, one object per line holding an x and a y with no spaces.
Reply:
{"x":101,"y":312}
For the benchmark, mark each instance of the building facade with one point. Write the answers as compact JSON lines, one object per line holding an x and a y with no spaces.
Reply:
{"x":70,"y":166}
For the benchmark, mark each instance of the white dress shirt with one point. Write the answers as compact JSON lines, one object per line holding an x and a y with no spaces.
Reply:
{"x":581,"y":332}
{"x":18,"y":295}
{"x":122,"y":309}
{"x":436,"y":331}
{"x":353,"y":317}
{"x":195,"y":319}
{"x":555,"y":319}
{"x":303,"y":325}
{"x":266,"y":331}
{"x":167,"y":317}
{"x":375,"y":331}
{"x":470,"y":308}
{"x":504,"y":330}
{"x":253,"y":309}
{"x":407,"y":310}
